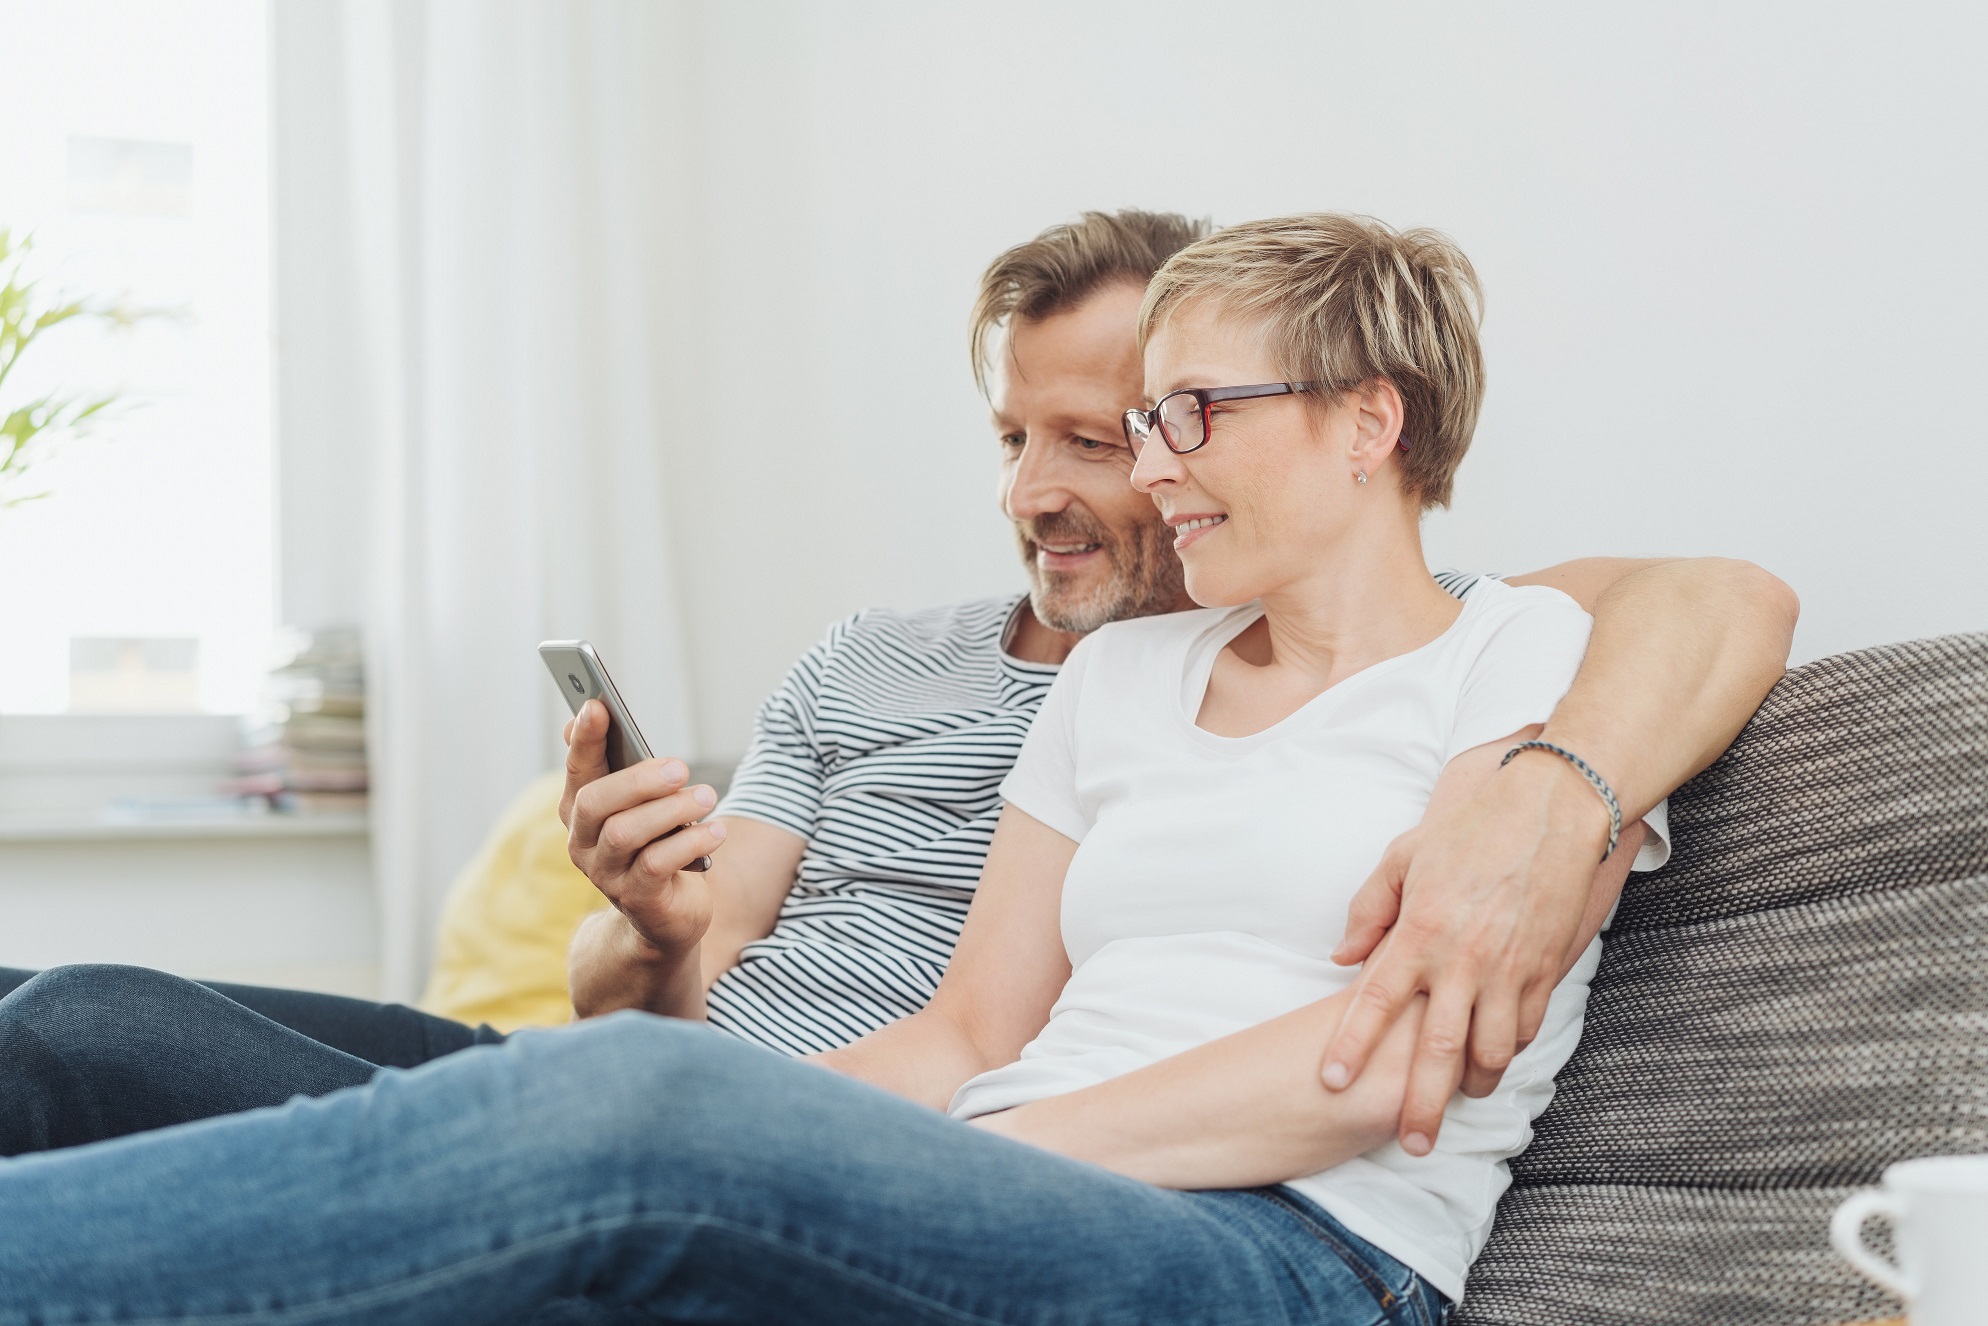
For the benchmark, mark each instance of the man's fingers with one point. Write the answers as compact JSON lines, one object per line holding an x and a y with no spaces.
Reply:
{"x":585,"y":735}
{"x":1438,"y":1067}
{"x":663,"y":858}
{"x":650,"y":894}
{"x":1530,"y":1020}
{"x":1532,"y":1012}
{"x":1494,"y":1027}
{"x":1377,"y":1002}
{"x":1374,"y":908}
{"x":596,"y":802}
{"x":586,"y":740}
{"x":627,"y":833}
{"x":1477,"y":1083}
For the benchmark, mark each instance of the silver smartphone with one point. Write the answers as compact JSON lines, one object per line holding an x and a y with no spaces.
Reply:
{"x":581,"y":676}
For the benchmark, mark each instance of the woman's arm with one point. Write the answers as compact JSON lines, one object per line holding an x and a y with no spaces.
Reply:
{"x":1249,"y":1108}
{"x":1004,"y":977}
{"x":1238,"y":1112}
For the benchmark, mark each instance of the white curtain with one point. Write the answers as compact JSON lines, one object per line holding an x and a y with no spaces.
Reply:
{"x":474,"y":199}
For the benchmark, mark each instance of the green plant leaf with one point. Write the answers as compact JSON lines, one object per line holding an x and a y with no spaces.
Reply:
{"x":31,"y":431}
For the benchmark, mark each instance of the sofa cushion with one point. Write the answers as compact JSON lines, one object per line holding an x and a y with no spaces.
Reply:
{"x":500,"y":948}
{"x":1797,"y":1000}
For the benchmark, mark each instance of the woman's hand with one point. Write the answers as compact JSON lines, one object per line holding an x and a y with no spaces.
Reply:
{"x":626,"y":832}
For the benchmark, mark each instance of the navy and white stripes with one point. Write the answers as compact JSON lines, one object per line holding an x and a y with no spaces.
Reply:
{"x":885,"y":748}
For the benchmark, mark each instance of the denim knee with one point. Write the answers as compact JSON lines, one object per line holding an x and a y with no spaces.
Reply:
{"x":64,"y":1035}
{"x":82,"y":993}
{"x":89,"y":1011}
{"x":614,"y":1079}
{"x":628,"y":1059}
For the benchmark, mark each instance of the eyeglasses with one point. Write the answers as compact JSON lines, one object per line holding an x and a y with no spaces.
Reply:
{"x":1181,"y":417}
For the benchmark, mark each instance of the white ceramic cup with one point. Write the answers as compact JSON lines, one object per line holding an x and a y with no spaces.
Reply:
{"x":1938,"y":1208}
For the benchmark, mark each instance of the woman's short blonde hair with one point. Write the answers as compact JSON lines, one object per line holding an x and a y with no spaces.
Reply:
{"x":1346,"y":301}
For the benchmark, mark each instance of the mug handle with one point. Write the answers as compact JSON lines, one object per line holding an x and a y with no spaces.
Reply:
{"x":1846,"y":1235}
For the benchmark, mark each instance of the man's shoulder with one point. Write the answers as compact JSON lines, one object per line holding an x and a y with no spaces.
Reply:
{"x":1520,"y":622}
{"x":1459,"y":584}
{"x":1495,"y":600}
{"x":974,"y":626}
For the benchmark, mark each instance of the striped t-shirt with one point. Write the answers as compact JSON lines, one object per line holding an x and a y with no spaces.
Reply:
{"x":884,"y":748}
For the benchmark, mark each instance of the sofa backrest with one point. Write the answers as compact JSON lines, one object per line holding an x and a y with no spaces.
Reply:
{"x":1797,"y":1000}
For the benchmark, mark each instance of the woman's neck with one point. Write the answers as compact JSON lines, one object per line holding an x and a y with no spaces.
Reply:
{"x":1371,"y":600}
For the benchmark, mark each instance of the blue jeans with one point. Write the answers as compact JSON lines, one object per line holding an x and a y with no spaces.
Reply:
{"x":649,"y":1170}
{"x":94,"y":1052}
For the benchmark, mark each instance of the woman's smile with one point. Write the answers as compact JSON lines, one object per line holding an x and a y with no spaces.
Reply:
{"x":1192,"y":529}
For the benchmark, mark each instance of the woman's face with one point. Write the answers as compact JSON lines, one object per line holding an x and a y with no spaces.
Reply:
{"x":1273,"y":489}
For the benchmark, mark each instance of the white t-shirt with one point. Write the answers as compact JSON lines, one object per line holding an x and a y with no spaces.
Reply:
{"x":1213,"y":874}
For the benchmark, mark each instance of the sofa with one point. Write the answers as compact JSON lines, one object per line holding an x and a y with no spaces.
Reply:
{"x":1797,"y":1000}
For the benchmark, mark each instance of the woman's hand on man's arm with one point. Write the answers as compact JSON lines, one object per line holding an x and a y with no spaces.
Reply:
{"x":1238,"y":1112}
{"x":1491,"y":898}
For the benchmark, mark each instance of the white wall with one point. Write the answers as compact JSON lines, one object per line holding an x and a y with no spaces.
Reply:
{"x":1735,"y":283}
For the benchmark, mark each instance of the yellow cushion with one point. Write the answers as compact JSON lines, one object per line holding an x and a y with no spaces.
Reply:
{"x":510,"y":915}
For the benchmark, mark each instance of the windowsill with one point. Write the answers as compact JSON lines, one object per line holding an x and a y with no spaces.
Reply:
{"x":72,"y":778}
{"x":67,"y":827}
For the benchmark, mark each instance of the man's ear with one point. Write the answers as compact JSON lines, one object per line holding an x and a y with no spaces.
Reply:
{"x":1378,"y":418}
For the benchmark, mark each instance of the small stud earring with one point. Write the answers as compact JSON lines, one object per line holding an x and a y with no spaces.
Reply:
{"x":1359,"y":476}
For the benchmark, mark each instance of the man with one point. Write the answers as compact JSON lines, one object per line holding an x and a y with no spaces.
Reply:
{"x":846,"y":853}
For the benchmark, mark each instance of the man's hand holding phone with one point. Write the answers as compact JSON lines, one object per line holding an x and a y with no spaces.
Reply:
{"x":633,"y":832}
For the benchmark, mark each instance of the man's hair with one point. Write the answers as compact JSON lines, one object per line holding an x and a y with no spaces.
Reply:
{"x":1346,"y":301}
{"x":1067,"y":264}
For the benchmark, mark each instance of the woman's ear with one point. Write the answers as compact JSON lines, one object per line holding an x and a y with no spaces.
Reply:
{"x":1378,"y":418}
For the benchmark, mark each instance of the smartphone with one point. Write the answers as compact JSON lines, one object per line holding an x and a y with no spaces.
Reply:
{"x":576,"y":667}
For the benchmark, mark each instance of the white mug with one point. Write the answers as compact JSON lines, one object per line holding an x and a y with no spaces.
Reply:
{"x":1938,"y":1208}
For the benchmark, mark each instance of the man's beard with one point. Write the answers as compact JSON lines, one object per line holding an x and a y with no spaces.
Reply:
{"x":1146,"y":576}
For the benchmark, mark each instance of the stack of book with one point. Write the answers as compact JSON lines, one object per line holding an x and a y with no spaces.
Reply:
{"x":306,"y":750}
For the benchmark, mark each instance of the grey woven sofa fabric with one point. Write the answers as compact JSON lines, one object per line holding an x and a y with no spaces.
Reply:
{"x":1797,"y":1000}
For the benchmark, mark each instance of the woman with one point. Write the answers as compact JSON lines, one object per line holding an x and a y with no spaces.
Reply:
{"x":1127,"y":1036}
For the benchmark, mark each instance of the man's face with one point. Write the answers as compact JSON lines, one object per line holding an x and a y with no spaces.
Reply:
{"x":1095,"y":548}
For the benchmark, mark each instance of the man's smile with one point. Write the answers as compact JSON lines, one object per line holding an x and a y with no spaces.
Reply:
{"x":1064,"y":556}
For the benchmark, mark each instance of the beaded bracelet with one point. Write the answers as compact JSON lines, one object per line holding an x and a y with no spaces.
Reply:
{"x":1595,"y":780}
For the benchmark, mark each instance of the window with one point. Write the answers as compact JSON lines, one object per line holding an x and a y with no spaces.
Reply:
{"x":136,"y":152}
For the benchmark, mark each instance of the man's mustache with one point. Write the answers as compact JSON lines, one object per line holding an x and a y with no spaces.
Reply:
{"x":1063,"y":527}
